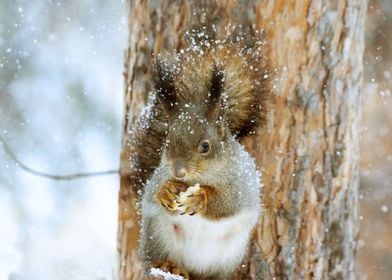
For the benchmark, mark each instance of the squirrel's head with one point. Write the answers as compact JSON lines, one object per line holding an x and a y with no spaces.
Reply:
{"x":197,"y":135}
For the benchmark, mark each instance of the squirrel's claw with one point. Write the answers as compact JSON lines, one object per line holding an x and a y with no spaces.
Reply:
{"x":168,"y":194}
{"x":177,"y":196}
{"x":195,"y":203}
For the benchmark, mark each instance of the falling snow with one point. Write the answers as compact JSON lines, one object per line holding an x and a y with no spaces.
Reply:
{"x":51,"y":55}
{"x":61,"y":93}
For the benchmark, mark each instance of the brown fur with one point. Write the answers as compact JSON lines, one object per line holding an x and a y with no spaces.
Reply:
{"x":245,"y":85}
{"x":145,"y":145}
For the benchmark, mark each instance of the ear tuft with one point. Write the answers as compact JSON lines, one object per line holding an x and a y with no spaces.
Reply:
{"x":216,"y":87}
{"x":164,"y":85}
{"x":215,"y":92}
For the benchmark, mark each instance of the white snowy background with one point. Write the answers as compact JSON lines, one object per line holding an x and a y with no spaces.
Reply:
{"x":61,"y":66}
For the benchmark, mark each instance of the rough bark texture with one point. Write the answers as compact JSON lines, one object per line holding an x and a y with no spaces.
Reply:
{"x":308,"y":151}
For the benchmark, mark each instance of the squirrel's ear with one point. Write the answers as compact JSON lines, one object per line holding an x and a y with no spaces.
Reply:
{"x":164,"y":85}
{"x":215,"y":92}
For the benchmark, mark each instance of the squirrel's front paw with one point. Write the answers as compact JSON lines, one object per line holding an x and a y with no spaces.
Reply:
{"x":168,"y":194}
{"x":193,"y":201}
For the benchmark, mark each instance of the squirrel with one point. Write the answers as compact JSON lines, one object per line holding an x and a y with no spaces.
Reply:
{"x":202,"y":201}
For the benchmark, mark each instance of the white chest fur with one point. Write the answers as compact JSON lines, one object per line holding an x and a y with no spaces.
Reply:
{"x":204,"y":246}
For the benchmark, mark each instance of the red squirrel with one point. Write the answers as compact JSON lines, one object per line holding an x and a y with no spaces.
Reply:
{"x":202,"y":201}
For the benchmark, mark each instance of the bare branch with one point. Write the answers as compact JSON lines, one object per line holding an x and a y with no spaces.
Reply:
{"x":26,"y":168}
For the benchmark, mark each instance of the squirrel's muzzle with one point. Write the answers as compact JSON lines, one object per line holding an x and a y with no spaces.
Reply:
{"x":178,"y":170}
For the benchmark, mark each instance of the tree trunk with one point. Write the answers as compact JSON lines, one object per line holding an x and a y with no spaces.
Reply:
{"x":308,"y":151}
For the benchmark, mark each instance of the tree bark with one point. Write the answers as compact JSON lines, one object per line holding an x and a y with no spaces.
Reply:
{"x":308,"y":151}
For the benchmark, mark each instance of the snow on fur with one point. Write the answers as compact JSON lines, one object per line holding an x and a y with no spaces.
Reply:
{"x":165,"y":275}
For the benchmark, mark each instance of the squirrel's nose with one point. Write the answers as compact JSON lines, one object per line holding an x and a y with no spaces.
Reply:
{"x":179,"y":172}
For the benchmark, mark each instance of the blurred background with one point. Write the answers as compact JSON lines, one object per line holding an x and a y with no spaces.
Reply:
{"x":61,"y":93}
{"x":375,"y":244}
{"x":61,"y":98}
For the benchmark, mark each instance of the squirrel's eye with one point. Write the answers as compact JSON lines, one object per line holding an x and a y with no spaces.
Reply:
{"x":204,"y":147}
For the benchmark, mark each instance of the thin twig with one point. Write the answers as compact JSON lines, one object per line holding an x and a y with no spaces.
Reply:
{"x":26,"y":168}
